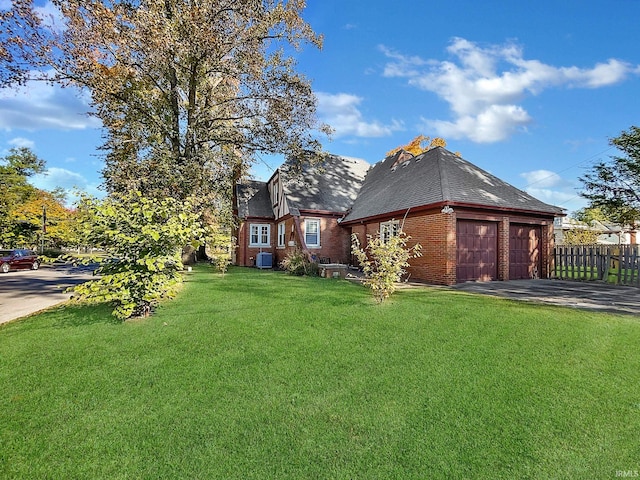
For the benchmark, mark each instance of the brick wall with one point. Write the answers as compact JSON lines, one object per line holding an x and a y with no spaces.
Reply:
{"x":503,"y":248}
{"x":335,"y":243}
{"x":435,"y":232}
{"x":246,"y":255}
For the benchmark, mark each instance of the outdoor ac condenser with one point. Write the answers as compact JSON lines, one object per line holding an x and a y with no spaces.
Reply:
{"x":263,"y":260}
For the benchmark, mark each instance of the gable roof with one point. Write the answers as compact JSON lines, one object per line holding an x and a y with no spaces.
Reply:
{"x":437,"y":176}
{"x":253,"y":200}
{"x":331,"y":184}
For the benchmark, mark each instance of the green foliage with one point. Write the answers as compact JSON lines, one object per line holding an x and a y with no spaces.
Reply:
{"x":384,"y":263}
{"x":578,"y":236}
{"x":15,"y":192}
{"x":220,"y":248}
{"x":143,"y":239}
{"x":298,"y":263}
{"x":614,"y":187}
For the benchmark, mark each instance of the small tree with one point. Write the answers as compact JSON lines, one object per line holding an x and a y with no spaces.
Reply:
{"x":220,"y":248}
{"x":143,"y":239}
{"x":384,"y":262}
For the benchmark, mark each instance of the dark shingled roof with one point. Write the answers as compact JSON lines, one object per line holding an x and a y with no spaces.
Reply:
{"x":434,"y":177}
{"x":331,"y":184}
{"x":253,"y":200}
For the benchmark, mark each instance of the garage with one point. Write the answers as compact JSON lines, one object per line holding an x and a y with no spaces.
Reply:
{"x":476,"y":251}
{"x":524,"y":251}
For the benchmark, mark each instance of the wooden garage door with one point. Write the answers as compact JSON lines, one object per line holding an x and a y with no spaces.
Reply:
{"x":477,"y":248}
{"x":524,"y":251}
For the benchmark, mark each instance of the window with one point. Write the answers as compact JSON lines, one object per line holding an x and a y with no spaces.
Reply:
{"x":260,"y":234}
{"x":281,"y":235}
{"x":388,"y":230}
{"x":312,"y":232}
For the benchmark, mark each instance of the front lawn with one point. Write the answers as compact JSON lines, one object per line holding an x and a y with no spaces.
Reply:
{"x":263,"y":375}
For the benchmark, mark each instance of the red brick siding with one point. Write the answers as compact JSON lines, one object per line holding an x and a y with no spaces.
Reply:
{"x":246,"y":255}
{"x":503,"y":248}
{"x":436,"y":233}
{"x":334,"y":239}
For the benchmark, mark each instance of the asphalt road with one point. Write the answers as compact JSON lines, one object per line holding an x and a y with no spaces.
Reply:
{"x":24,"y":292}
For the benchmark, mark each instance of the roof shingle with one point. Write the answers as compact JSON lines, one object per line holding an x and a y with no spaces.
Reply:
{"x":434,"y":177}
{"x":253,"y":200}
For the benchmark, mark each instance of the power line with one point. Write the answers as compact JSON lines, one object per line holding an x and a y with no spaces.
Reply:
{"x":569,"y":167}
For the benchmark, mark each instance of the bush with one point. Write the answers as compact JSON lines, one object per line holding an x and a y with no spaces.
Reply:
{"x":143,"y":239}
{"x":384,"y":263}
{"x":297,"y":263}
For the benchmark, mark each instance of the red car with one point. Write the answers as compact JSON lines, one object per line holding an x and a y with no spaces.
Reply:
{"x":18,"y":259}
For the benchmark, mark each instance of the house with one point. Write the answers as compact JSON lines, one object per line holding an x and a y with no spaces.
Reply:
{"x":299,"y":208}
{"x":471,"y":225}
{"x":606,"y":233}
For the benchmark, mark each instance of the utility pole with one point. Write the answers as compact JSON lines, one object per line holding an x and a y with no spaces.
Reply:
{"x":44,"y":228}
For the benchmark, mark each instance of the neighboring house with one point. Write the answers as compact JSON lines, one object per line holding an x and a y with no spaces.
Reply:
{"x":471,"y":225}
{"x":608,"y":233}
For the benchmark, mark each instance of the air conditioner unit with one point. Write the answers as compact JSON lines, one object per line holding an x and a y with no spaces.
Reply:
{"x":264,"y":260}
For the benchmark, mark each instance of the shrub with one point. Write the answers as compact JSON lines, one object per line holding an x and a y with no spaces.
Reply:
{"x":383,"y":263}
{"x":297,"y":263}
{"x":143,"y":239}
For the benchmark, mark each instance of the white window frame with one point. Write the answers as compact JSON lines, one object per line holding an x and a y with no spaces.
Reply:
{"x":261,"y":230}
{"x":307,"y":223}
{"x":282,"y":234}
{"x":389,"y":229}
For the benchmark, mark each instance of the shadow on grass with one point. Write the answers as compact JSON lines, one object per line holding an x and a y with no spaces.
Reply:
{"x":79,"y":315}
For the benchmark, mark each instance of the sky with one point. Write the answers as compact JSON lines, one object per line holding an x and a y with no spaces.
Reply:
{"x":530,"y":91}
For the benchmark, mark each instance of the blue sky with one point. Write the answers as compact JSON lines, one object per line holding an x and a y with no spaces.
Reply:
{"x":529,"y":91}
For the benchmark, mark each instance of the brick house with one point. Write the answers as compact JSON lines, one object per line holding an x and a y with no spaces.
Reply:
{"x":471,"y":225}
{"x":298,"y":208}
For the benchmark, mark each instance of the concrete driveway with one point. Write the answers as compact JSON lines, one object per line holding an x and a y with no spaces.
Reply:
{"x":24,"y":292}
{"x":587,"y":295}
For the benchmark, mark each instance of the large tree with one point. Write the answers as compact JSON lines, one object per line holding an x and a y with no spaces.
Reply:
{"x":15,"y":191}
{"x":187,"y":90}
{"x":614,"y":186}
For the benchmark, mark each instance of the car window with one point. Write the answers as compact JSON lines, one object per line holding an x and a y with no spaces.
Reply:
{"x":5,"y":253}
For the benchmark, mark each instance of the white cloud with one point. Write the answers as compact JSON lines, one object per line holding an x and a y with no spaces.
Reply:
{"x":20,"y":142}
{"x":542,"y":178}
{"x":484,"y":85}
{"x":40,"y":105}
{"x":70,"y":182}
{"x":55,"y":177}
{"x":551,"y":188}
{"x":341,"y":112}
{"x":495,"y":123}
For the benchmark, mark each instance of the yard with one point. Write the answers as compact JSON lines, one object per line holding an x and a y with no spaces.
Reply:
{"x":263,"y":375}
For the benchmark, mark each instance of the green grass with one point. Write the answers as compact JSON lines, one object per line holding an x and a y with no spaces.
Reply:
{"x":614,"y":275}
{"x":263,"y":375}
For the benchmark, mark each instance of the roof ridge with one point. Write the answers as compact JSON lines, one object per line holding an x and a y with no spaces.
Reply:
{"x":444,"y":179}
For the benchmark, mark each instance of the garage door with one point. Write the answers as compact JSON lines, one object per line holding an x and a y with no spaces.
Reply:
{"x":524,"y":251}
{"x":477,"y":246}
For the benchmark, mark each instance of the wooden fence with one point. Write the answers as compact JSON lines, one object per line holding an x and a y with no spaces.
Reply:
{"x":619,"y":264}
